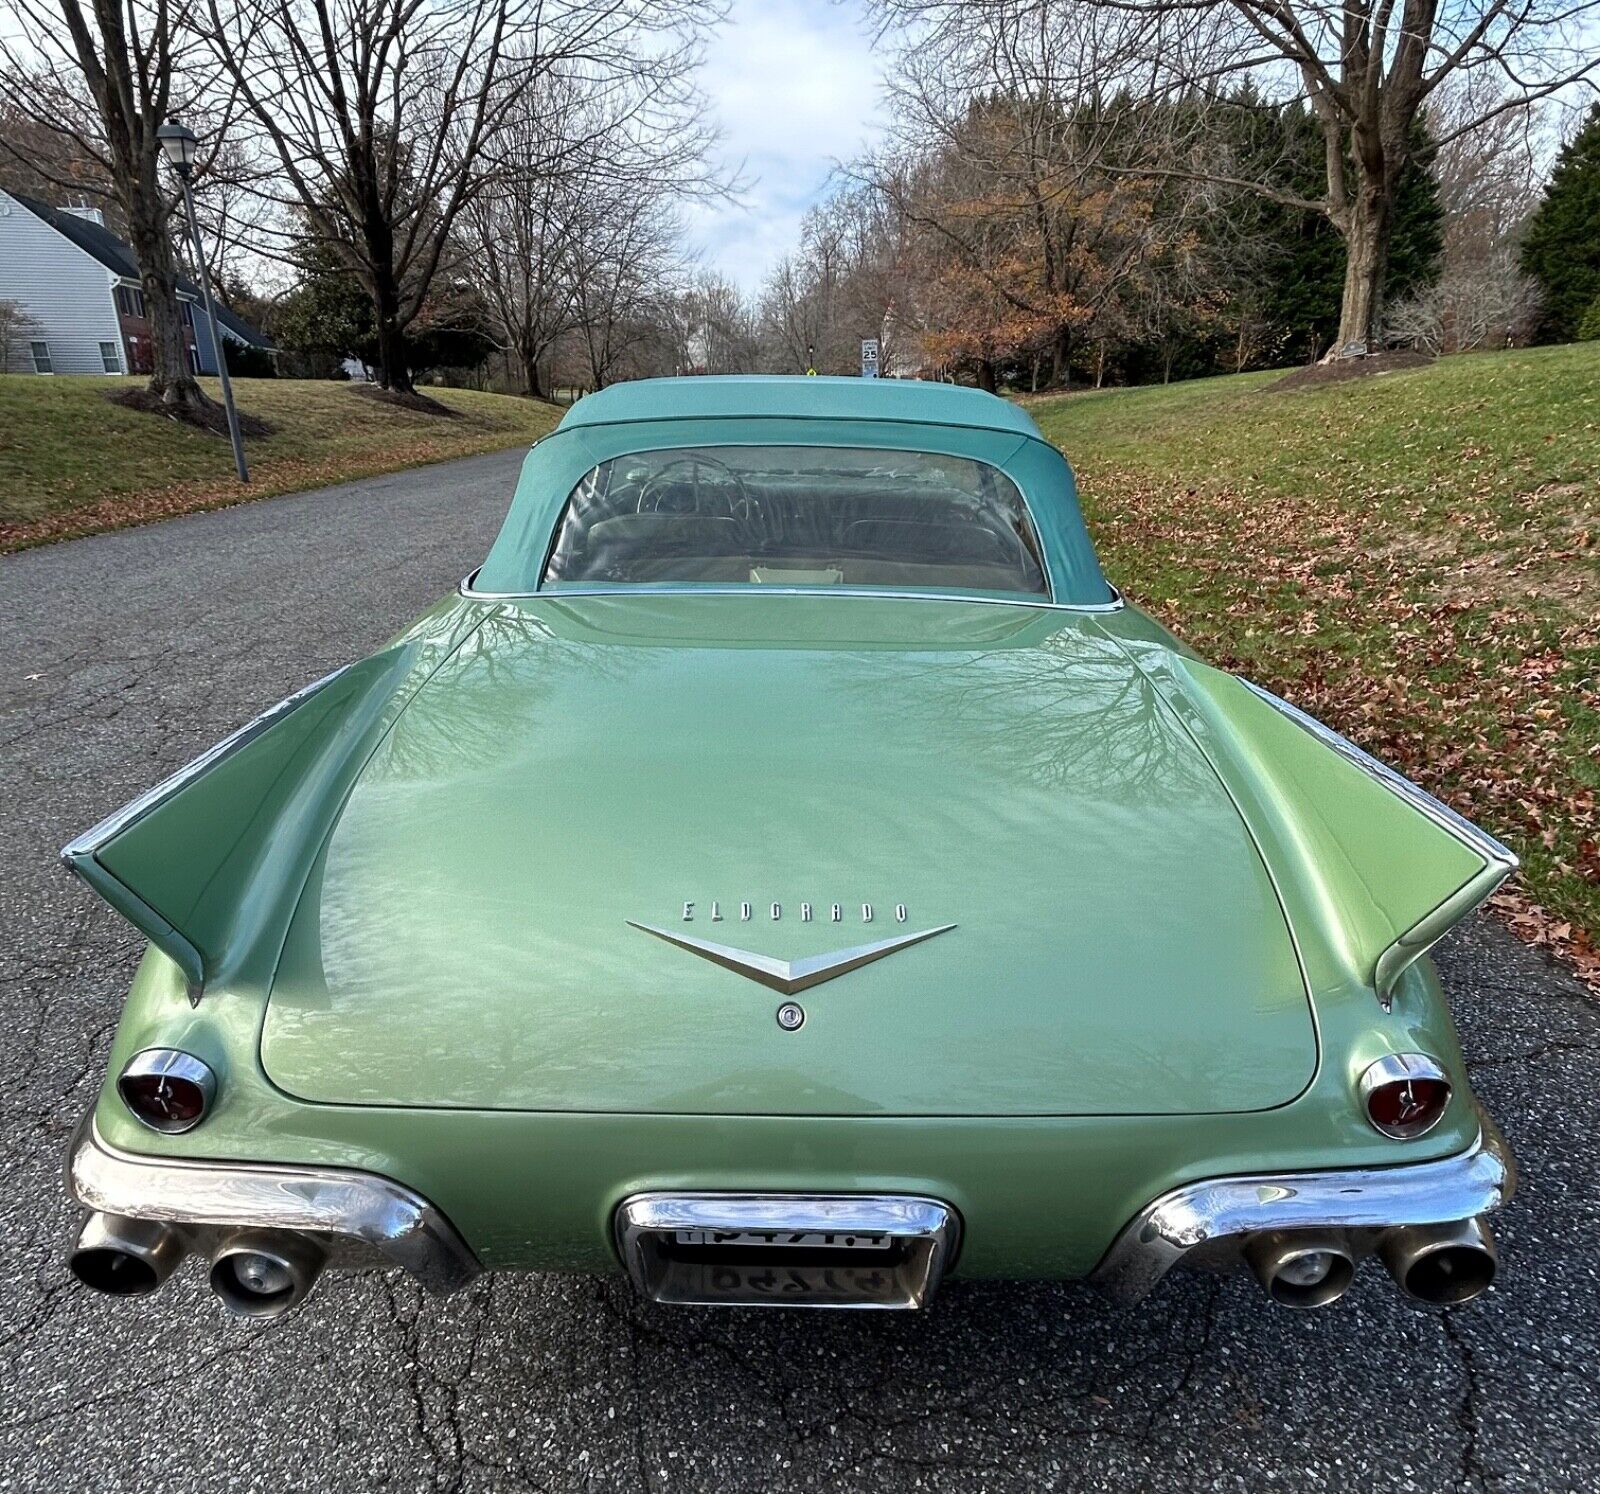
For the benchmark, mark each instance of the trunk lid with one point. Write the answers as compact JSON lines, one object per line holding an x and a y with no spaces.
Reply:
{"x":468,"y":936}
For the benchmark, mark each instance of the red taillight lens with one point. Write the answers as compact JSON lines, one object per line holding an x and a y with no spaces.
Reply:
{"x":167,"y":1089}
{"x":1405,"y":1095}
{"x":1408,"y":1107}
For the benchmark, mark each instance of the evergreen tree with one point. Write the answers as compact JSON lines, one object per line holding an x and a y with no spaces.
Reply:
{"x":328,"y":317}
{"x":1561,"y":249}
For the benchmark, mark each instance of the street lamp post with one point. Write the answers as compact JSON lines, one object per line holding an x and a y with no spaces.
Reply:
{"x":181,"y":146}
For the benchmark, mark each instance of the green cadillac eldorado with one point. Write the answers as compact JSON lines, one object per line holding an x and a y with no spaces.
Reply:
{"x":788,"y":872}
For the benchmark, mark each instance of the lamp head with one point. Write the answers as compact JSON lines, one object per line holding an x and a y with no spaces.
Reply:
{"x":181,"y":145}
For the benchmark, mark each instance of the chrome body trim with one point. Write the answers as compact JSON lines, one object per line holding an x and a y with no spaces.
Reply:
{"x":173,"y":1062}
{"x":364,"y":1218}
{"x":1039,"y":604}
{"x":929,"y":1230}
{"x":1394,"y":1068}
{"x":1419,"y":799}
{"x":1208,"y":1222}
{"x":790,"y":976}
{"x":114,"y":823}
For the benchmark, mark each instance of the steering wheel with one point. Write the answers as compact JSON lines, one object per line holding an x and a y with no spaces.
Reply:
{"x":741,"y":509}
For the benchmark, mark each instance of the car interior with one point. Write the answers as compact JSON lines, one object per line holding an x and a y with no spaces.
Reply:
{"x":798,"y":517}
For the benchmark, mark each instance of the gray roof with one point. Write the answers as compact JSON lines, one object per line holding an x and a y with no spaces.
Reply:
{"x":97,"y":241}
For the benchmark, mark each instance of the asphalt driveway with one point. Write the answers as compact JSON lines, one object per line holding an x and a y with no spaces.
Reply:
{"x":124,"y":655}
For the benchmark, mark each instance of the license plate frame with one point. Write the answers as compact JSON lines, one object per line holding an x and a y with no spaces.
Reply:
{"x":884,"y":1252}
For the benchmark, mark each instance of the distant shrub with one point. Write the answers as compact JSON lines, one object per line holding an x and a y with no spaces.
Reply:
{"x":248,"y":362}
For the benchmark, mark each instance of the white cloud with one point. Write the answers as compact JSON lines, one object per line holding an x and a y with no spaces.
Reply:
{"x":794,"y":84}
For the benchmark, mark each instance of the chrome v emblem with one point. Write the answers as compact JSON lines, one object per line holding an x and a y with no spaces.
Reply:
{"x":790,"y":976}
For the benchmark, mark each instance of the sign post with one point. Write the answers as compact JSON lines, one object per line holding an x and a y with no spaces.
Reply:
{"x":869,"y":357}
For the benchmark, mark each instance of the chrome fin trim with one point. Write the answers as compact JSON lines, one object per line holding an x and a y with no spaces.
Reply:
{"x":1499,"y":860}
{"x":85,"y":845}
{"x":362,"y":1208}
{"x":81,"y":855}
{"x":1221,"y":1210}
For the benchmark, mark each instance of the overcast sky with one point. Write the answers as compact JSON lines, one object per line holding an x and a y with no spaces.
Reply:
{"x":795,"y":87}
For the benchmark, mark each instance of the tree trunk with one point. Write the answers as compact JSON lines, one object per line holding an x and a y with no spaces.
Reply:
{"x":986,"y":376}
{"x":532,"y":380}
{"x":393,"y":371}
{"x":1366,"y":242}
{"x":171,"y":375}
{"x":1061,"y":358}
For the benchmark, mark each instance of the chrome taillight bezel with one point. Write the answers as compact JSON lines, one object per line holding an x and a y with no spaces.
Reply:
{"x":1401,"y":1068}
{"x":174,"y":1063}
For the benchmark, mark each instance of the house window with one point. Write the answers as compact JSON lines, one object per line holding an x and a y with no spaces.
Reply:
{"x":41,"y":357}
{"x":109,"y":359}
{"x":130,"y":300}
{"x":188,"y":313}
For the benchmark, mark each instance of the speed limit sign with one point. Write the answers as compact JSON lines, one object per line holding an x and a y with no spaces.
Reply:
{"x":869,"y":357}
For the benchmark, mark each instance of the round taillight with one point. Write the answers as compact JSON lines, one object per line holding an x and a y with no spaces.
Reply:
{"x":168,"y":1090}
{"x":1405,"y":1095}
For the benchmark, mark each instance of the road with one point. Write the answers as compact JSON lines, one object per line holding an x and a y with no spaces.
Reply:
{"x":125,"y":654}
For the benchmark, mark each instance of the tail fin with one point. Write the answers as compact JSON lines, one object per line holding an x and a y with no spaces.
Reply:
{"x":1393,"y":870}
{"x":209,"y":864}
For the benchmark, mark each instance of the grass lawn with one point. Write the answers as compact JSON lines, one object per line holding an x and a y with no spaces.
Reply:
{"x":72,"y":463}
{"x":1414,"y":557}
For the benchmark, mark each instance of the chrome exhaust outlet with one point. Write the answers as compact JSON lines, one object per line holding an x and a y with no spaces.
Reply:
{"x":1302,"y":1268}
{"x":125,"y":1257}
{"x":1442,"y":1265}
{"x":264,"y":1273}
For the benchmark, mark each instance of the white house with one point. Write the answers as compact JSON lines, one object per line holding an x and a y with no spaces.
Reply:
{"x":78,"y":284}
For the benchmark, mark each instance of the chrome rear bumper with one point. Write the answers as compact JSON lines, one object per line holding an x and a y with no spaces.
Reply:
{"x":827,"y":1250}
{"x":1209,"y":1223}
{"x":359,"y":1219}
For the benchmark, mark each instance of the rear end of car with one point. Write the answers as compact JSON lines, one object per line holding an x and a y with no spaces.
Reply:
{"x":788,"y":903}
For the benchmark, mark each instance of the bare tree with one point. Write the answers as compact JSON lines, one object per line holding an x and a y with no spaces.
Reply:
{"x":1366,"y":67}
{"x":721,"y":332}
{"x":1489,"y":178}
{"x":40,"y":162}
{"x":377,"y":111}
{"x":381,"y":114}
{"x":96,"y":79}
{"x":845,"y":281}
{"x":573,"y":147}
{"x":15,"y":327}
{"x":628,"y":272}
{"x":519,"y":238}
{"x":792,"y":315}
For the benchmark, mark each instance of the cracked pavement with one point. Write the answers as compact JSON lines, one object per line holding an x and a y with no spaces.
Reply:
{"x":124,"y":655}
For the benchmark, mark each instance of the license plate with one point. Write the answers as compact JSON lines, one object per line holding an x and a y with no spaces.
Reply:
{"x":752,"y":1282}
{"x":781,"y":1239}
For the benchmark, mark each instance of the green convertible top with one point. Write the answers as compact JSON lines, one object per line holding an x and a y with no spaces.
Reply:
{"x":871,"y":414}
{"x":799,"y":398}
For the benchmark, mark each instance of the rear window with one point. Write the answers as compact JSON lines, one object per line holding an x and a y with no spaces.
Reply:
{"x":798,"y":516}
